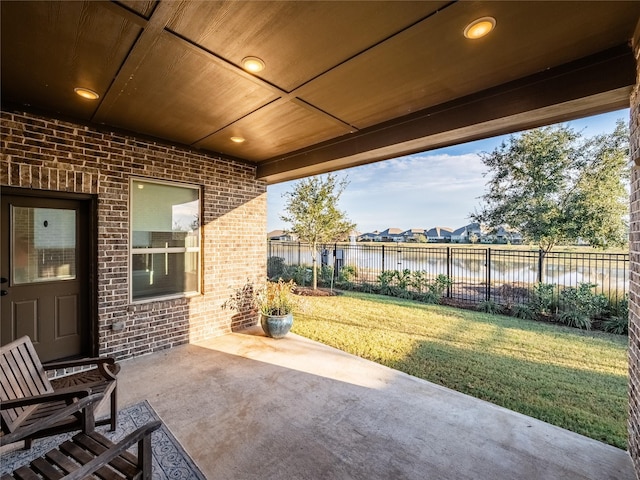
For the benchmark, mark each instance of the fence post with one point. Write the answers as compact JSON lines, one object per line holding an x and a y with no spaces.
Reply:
{"x":540,"y":264}
{"x":383,"y":258}
{"x":299,"y":247}
{"x":488,"y":263}
{"x":449,"y":272}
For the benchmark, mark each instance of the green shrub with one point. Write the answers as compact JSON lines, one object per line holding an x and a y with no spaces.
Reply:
{"x":419,"y":281}
{"x":542,"y":301}
{"x":300,"y":274}
{"x":489,"y":306}
{"x":620,"y":308}
{"x":577,"y":319}
{"x":275,"y":267}
{"x":580,"y":305}
{"x":413,"y":285}
{"x":618,"y":323}
{"x":600,"y":304}
{"x":366,"y":287}
{"x":325,"y":275}
{"x":387,"y":282}
{"x":440,"y":285}
{"x":428,"y":297}
{"x":435,"y":289}
{"x":524,"y":312}
{"x":347,"y":274}
{"x":402,"y":282}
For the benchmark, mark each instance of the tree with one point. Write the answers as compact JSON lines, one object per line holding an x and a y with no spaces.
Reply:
{"x":421,"y":238}
{"x":553,"y":187}
{"x":312,"y":211}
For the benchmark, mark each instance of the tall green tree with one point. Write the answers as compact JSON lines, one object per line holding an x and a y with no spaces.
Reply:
{"x":553,"y":186}
{"x":312,"y":210}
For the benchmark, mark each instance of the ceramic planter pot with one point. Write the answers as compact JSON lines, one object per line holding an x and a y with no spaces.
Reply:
{"x":276,"y":326}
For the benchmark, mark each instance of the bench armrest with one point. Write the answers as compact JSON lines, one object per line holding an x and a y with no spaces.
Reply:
{"x":85,"y":403}
{"x":67,"y":394}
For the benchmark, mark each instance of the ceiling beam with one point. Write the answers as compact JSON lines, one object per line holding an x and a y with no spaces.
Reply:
{"x":589,"y":86}
{"x":149,"y":36}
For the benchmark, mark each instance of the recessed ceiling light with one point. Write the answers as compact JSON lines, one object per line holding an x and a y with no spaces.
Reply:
{"x":237,"y":139}
{"x":86,"y":93}
{"x":480,"y":27}
{"x":252,"y":64}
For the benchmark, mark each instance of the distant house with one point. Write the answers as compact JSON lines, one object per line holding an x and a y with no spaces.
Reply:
{"x":471,"y":233}
{"x":467,"y":233}
{"x":439,"y":234}
{"x":413,"y":235}
{"x":369,"y":237}
{"x":281,"y":236}
{"x":508,"y":235}
{"x":391,"y":235}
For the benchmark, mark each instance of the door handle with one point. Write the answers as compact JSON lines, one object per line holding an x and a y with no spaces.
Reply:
{"x":3,"y":280}
{"x":3,"y":293}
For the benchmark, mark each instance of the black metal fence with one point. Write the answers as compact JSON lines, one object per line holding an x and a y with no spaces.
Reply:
{"x":506,"y":276}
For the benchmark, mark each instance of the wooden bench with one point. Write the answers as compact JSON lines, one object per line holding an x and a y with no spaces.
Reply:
{"x":86,"y":454}
{"x":32,"y":406}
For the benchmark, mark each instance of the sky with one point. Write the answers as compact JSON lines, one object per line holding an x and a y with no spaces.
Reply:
{"x":424,"y":190}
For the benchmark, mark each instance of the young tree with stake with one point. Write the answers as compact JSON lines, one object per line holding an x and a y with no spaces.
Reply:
{"x":312,"y":210}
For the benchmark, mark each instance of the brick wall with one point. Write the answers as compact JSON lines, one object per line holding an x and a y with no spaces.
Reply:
{"x":49,"y":154}
{"x":634,"y":287}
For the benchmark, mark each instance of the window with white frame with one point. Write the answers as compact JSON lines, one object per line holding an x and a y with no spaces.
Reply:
{"x":165,"y":240}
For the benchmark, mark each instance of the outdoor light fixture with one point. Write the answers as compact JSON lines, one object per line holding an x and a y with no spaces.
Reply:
{"x":252,"y":64}
{"x":86,"y":93}
{"x":480,"y":27}
{"x":237,"y":139}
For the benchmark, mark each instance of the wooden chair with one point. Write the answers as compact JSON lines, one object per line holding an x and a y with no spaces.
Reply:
{"x":100,"y":379}
{"x":32,"y":406}
{"x":86,"y":454}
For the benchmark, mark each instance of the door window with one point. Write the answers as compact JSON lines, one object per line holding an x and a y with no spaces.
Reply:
{"x":43,"y":245}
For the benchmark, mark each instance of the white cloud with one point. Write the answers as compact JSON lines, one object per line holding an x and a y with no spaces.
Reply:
{"x":417,"y":191}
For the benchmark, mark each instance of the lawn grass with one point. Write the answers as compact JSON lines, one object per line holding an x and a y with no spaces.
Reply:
{"x":571,"y":378}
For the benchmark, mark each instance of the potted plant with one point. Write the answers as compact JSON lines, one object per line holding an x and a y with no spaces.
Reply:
{"x":275,"y":301}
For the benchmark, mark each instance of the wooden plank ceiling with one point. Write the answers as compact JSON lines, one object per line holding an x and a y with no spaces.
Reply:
{"x":344,"y":83}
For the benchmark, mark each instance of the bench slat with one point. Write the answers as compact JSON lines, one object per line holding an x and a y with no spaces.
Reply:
{"x":22,"y":376}
{"x":25,"y":473}
{"x":61,"y":460}
{"x":72,"y":450}
{"x":127,"y":467}
{"x":45,"y":469}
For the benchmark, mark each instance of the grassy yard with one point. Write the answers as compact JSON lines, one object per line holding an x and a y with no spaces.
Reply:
{"x":570,"y":378}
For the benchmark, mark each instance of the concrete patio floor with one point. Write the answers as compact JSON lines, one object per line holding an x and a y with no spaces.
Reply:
{"x":249,"y":407}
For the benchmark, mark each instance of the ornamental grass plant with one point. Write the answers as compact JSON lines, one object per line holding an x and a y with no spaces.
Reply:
{"x":272,"y":299}
{"x":276,"y":298}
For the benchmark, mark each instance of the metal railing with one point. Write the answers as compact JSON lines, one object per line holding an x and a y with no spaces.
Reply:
{"x":505,"y":276}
